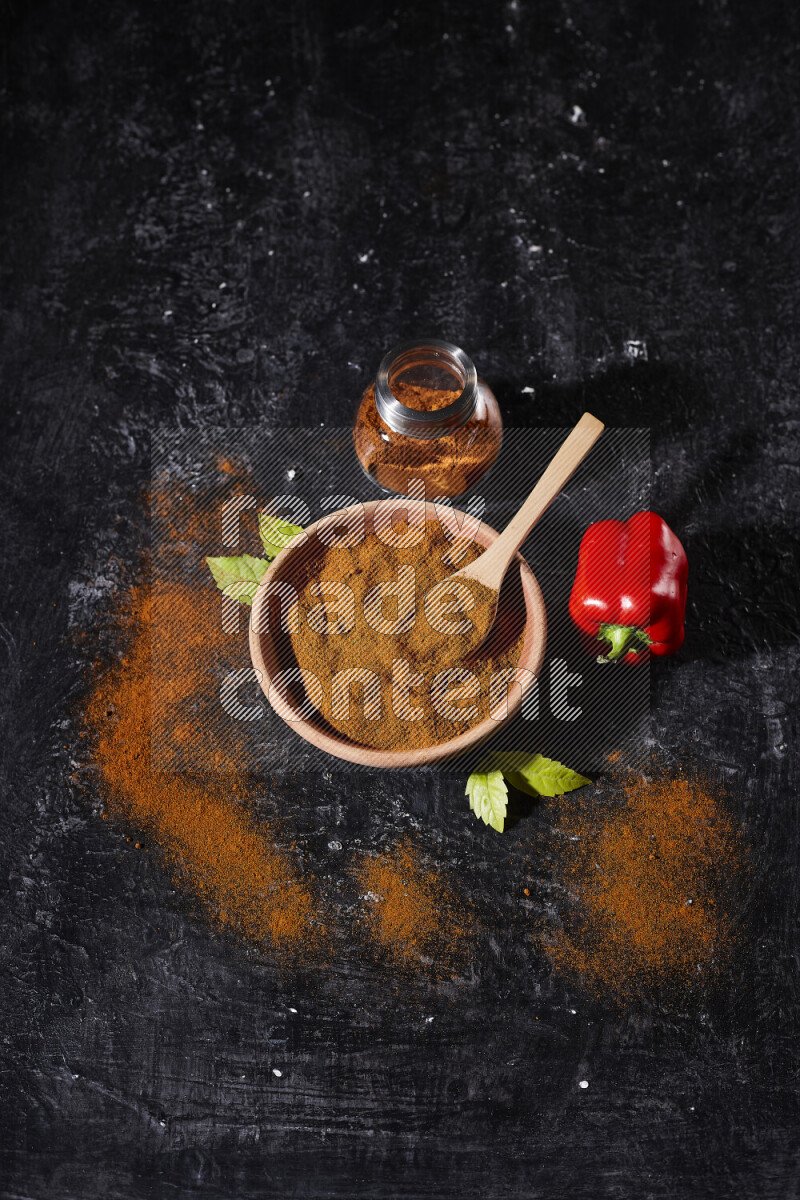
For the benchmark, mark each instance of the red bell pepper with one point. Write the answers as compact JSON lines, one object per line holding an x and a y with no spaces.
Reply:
{"x":630,"y":587}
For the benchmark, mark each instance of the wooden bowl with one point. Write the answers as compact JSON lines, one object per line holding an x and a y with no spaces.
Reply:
{"x":264,"y":652}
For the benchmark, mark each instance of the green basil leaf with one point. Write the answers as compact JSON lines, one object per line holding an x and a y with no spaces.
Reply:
{"x":243,"y":592}
{"x":238,"y":576}
{"x":488,"y":797}
{"x":276,"y":533}
{"x":540,"y":776}
{"x":518,"y":781}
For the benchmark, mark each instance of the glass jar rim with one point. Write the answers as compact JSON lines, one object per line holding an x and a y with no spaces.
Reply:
{"x":417,"y":423}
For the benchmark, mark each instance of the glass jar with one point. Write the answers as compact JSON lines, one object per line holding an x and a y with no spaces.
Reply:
{"x":427,"y":416}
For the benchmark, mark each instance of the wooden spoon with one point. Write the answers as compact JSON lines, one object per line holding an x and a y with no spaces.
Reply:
{"x":488,"y":569}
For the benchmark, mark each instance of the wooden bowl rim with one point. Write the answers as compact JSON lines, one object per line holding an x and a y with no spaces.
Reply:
{"x":339,"y":746}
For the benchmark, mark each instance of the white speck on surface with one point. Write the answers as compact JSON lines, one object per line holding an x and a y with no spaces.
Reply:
{"x":535,"y":249}
{"x":167,"y":312}
{"x":222,"y":285}
{"x":635,"y":350}
{"x":290,"y":474}
{"x":362,"y":258}
{"x":573,"y":1011}
{"x":334,"y":845}
{"x":576,"y":115}
{"x":294,"y":1010}
{"x":504,"y":284}
{"x":306,"y":195}
{"x":199,"y":125}
{"x":529,"y":391}
{"x":428,"y":1020}
{"x":373,"y":896}
{"x":276,"y":1071}
{"x":584,"y":1083}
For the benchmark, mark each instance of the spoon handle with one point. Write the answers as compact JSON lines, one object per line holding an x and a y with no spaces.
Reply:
{"x":491,"y":565}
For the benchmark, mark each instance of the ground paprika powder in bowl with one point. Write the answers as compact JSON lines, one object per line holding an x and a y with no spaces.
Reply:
{"x":359,"y":648}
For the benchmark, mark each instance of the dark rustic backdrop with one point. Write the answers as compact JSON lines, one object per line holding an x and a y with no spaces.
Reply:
{"x":224,"y":213}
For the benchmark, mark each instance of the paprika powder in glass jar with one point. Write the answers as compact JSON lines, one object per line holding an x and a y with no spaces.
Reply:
{"x":428,"y":416}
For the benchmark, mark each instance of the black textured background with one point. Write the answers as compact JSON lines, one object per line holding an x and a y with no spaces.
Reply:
{"x":225,"y":213}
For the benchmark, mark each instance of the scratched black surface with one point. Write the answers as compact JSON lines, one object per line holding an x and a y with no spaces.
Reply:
{"x":222,"y":213}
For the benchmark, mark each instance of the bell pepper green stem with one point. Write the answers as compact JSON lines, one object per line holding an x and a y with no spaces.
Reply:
{"x":622,"y":639}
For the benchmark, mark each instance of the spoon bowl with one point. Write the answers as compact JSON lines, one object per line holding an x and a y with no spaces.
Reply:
{"x":268,"y":648}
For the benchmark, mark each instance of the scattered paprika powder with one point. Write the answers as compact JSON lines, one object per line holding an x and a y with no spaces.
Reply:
{"x":201,"y":824}
{"x":651,"y":887}
{"x":412,"y":911}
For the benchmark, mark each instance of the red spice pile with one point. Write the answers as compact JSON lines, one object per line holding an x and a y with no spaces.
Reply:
{"x":412,"y":910}
{"x":200,"y":824}
{"x":651,"y":888}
